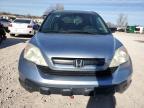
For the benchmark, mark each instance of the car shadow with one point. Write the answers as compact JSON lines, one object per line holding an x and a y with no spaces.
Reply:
{"x":12,"y":41}
{"x":108,"y":101}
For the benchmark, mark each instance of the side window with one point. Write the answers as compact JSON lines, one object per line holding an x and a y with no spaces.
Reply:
{"x":67,"y":20}
{"x":78,"y":20}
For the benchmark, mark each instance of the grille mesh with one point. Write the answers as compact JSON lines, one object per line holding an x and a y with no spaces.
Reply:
{"x":86,"y":61}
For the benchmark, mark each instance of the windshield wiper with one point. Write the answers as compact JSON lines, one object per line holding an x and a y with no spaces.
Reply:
{"x":78,"y":32}
{"x":85,"y":32}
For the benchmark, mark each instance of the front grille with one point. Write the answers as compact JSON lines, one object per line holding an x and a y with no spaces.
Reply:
{"x":103,"y":73}
{"x":86,"y":61}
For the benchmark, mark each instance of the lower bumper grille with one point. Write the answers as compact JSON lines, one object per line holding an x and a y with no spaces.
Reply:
{"x":103,"y":73}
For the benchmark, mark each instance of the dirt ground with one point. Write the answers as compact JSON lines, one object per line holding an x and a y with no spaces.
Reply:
{"x":12,"y":95}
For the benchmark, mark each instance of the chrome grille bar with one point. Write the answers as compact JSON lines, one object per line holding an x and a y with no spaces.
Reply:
{"x":87,"y":61}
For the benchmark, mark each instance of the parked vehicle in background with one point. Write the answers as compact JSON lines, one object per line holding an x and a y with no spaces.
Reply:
{"x":38,"y":21}
{"x":139,"y":29}
{"x":23,"y":27}
{"x":130,"y":29}
{"x":121,"y":29}
{"x":5,"y":23}
{"x":75,"y":53}
{"x":12,"y":18}
{"x":135,"y":29}
{"x":2,"y":33}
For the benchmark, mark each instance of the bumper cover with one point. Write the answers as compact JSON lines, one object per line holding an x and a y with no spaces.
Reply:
{"x":111,"y":89}
{"x":22,"y":31}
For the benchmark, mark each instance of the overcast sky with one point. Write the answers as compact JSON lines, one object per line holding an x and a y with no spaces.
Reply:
{"x":108,"y":9}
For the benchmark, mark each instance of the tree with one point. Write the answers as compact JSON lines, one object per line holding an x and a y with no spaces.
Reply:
{"x":122,"y":21}
{"x":57,"y":6}
{"x":110,"y":25}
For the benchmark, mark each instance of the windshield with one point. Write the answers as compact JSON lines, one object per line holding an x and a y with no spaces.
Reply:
{"x":74,"y":23}
{"x":22,"y":21}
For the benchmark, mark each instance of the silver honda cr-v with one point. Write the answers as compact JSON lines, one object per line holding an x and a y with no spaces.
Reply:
{"x":74,"y":53}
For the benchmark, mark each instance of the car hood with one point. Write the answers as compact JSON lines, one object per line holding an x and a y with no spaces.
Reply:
{"x":75,"y":45}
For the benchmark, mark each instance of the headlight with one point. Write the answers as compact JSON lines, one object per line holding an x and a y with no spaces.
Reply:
{"x":33,"y":54}
{"x":121,"y":56}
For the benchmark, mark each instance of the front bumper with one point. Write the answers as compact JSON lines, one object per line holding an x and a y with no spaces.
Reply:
{"x":34,"y":80}
{"x":22,"y":31}
{"x":111,"y":89}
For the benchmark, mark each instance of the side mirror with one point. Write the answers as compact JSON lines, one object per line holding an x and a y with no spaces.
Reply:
{"x":113,"y":29}
{"x":36,"y":27}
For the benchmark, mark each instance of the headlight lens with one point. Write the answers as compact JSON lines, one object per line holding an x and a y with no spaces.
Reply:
{"x":33,"y":54}
{"x":121,"y":56}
